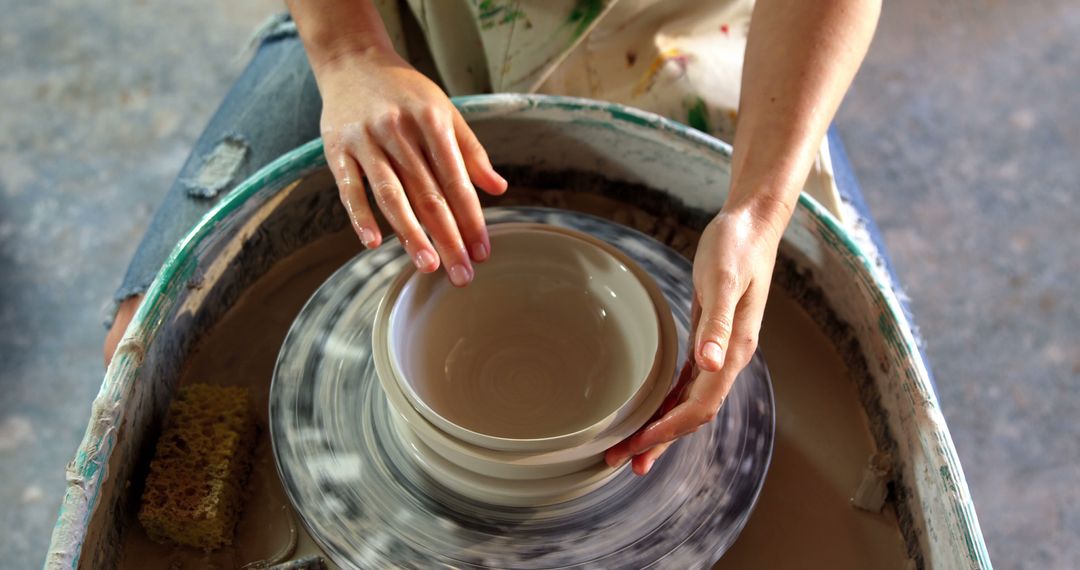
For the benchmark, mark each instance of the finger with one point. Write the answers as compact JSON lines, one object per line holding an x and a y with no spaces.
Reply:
{"x":445,"y":158}
{"x":701,"y":400}
{"x":390,"y":197}
{"x":620,"y":452}
{"x":708,"y":390}
{"x":718,"y":298}
{"x":402,"y":145}
{"x":678,"y":392}
{"x":695,"y":319}
{"x":351,"y":191}
{"x":745,"y":334}
{"x":704,"y":398}
{"x":643,"y":463}
{"x":476,"y":158}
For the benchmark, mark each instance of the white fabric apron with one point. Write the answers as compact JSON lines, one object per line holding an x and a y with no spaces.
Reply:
{"x":681,"y":59}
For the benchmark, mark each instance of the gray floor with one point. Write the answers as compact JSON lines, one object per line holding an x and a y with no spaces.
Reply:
{"x":964,"y":127}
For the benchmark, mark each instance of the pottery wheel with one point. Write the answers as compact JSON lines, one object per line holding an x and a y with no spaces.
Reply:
{"x":366,"y":503}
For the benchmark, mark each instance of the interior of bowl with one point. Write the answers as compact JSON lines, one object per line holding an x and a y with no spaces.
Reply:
{"x":555,"y":335}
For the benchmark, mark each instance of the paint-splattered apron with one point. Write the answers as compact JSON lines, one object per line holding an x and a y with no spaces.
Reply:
{"x":678,"y":58}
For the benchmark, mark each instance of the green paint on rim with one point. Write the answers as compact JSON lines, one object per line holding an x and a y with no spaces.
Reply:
{"x":888,"y":330}
{"x":633,"y":118}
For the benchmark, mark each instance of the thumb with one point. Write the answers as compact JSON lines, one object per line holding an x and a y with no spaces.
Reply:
{"x":718,"y":301}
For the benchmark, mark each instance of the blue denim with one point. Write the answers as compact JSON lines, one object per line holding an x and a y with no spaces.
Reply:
{"x":273,"y":108}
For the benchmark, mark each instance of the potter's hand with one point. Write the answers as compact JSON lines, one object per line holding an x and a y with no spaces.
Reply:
{"x":384,"y":120}
{"x":732,"y":271}
{"x":800,"y":58}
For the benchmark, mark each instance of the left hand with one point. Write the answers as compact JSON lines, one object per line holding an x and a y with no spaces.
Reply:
{"x":732,"y":272}
{"x":383,"y":119}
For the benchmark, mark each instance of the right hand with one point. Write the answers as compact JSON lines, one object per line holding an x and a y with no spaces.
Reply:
{"x":733,"y":269}
{"x":382,"y":119}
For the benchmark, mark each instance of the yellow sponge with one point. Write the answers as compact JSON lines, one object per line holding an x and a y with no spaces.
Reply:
{"x":193,"y":492}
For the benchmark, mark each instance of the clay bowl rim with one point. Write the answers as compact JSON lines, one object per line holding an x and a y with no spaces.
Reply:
{"x":634,"y":397}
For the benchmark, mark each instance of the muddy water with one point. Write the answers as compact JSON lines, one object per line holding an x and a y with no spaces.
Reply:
{"x":803,"y":519}
{"x":242,"y":350}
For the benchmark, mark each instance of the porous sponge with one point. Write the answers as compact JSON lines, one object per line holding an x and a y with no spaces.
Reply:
{"x":194,"y":491}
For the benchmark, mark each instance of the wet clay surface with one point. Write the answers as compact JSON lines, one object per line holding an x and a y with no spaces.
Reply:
{"x":803,"y":518}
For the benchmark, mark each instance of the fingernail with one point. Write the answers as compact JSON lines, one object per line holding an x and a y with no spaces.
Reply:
{"x":367,"y":237}
{"x":648,"y":466}
{"x":479,"y":251}
{"x":460,"y":275}
{"x":424,"y":259}
{"x":712,"y":352}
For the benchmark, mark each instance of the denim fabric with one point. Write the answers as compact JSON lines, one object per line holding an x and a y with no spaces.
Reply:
{"x":273,"y":108}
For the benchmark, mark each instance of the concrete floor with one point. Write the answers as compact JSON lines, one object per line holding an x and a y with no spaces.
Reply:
{"x":964,"y":126}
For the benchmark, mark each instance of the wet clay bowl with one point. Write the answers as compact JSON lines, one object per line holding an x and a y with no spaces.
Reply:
{"x":537,"y":464}
{"x":556,"y":340}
